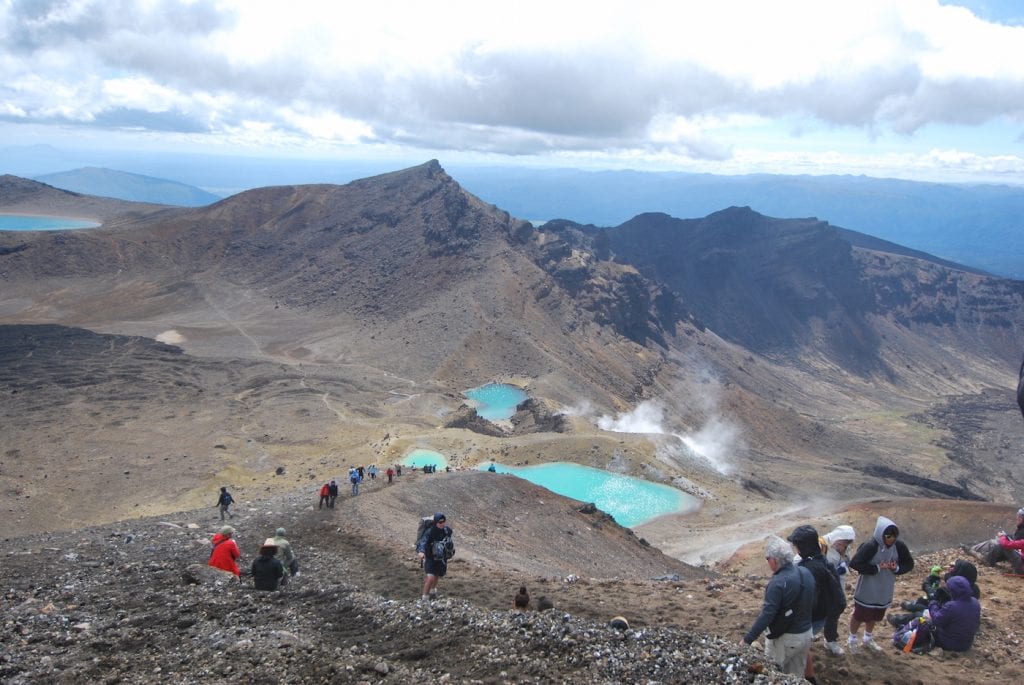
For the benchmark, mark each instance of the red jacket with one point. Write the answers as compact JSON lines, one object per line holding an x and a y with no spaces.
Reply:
{"x":225,"y":553}
{"x":325,"y":490}
{"x":1008,"y":543}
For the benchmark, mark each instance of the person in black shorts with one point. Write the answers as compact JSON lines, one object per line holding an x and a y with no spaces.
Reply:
{"x":430,"y":549}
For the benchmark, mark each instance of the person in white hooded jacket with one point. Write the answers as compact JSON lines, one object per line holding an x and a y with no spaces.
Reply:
{"x":878,"y":561}
{"x":839,"y":541}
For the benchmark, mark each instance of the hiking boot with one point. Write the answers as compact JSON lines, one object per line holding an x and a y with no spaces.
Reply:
{"x":897,"y":620}
{"x":871,"y":644}
{"x":834,"y":648}
{"x":908,"y":605}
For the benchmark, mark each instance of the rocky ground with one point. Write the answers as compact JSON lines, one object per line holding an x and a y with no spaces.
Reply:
{"x":133,"y":602}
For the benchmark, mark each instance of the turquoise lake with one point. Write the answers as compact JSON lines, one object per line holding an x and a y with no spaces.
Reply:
{"x":631,"y":501}
{"x":421,"y":457}
{"x":496,"y":401}
{"x":15,"y":222}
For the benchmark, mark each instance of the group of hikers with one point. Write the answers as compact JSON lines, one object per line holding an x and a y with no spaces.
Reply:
{"x":268,"y":571}
{"x":356,"y":475}
{"x":806,"y":594}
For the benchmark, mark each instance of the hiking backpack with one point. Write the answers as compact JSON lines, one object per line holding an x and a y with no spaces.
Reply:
{"x":443,"y":549}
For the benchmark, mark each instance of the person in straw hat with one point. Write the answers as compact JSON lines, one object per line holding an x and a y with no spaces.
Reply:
{"x":267,"y":570}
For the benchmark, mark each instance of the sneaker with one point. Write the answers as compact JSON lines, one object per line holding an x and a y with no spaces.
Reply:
{"x":873,"y":645}
{"x":834,"y":648}
{"x":853,"y":645}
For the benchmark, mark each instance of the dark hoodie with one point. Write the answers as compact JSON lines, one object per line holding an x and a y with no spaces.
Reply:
{"x":829,"y":599}
{"x":964,"y":569}
{"x":956,"y":622}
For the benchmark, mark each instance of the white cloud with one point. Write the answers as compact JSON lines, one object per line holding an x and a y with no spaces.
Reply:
{"x":650,"y":81}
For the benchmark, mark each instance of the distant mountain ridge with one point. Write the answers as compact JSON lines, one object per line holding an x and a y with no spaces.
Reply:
{"x":979,"y":225}
{"x":125,"y":186}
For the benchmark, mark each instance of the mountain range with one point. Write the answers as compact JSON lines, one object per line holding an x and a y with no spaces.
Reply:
{"x":305,"y":327}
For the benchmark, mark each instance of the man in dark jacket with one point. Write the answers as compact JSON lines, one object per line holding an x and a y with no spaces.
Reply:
{"x":786,"y":612}
{"x":955,"y":623}
{"x":829,"y":599}
{"x":224,"y":501}
{"x":266,"y":570}
{"x":431,"y":550}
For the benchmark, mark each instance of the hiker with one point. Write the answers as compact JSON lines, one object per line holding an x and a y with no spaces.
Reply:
{"x":355,"y":479}
{"x":362,"y":475}
{"x":786,"y":613}
{"x":284,"y":548}
{"x":1013,"y":548}
{"x":521,"y":602}
{"x":325,"y":496}
{"x":224,"y":501}
{"x":225,"y":553}
{"x":432,"y":549}
{"x":878,"y":561}
{"x":267,"y":571}
{"x":991,"y":552}
{"x":398,"y":470}
{"x":391,"y":474}
{"x":837,"y":553}
{"x":829,"y":598}
{"x":955,"y":623}
{"x":372,"y":471}
{"x":492,"y":468}
{"x":332,"y":493}
{"x":935,"y":592}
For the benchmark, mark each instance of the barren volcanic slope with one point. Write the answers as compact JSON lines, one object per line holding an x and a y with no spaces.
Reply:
{"x":133,"y":602}
{"x":315,"y":326}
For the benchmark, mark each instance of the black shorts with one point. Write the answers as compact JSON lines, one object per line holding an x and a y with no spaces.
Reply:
{"x":435,"y":567}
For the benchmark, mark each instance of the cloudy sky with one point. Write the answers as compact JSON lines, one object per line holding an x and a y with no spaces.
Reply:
{"x":909,"y":88}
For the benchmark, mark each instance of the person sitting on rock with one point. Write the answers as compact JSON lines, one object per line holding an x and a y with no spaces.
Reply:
{"x":225,"y":552}
{"x":1013,"y":548}
{"x":267,"y":571}
{"x":991,"y":552}
{"x":937,"y":592}
{"x":954,"y":624}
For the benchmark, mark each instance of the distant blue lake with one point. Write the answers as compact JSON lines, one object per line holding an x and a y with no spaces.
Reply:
{"x":496,"y":401}
{"x":17,"y":222}
{"x":631,"y":501}
{"x":421,"y":457}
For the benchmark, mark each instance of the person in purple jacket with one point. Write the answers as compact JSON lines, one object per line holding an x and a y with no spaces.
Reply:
{"x":955,"y":623}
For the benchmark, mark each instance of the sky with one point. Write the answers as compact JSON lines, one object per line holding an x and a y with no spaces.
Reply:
{"x":917,"y":89}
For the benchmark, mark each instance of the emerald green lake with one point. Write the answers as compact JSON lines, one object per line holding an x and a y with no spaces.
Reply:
{"x":496,"y":401}
{"x":421,"y":457}
{"x":630,"y":500}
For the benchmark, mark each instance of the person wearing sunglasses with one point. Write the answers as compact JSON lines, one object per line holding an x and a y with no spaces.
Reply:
{"x":878,"y":561}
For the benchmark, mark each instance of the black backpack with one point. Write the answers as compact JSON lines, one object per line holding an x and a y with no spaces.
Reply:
{"x":443,"y":549}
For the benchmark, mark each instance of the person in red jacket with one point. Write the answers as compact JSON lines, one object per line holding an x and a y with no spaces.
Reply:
{"x":1013,"y":550}
{"x":225,"y":553}
{"x":325,"y":494}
